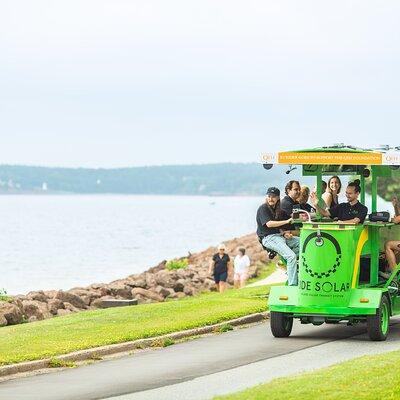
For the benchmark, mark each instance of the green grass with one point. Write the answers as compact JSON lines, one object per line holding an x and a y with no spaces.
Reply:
{"x":54,"y":363}
{"x":266,"y":270}
{"x":225,"y":328}
{"x":365,"y":378}
{"x":4,"y":296}
{"x":90,"y":329}
{"x":177,"y":264}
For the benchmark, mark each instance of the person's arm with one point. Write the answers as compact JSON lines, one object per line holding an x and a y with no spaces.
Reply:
{"x":314,"y":201}
{"x":290,"y":233}
{"x":286,"y":206}
{"x":247,"y":264}
{"x":211,"y":267}
{"x":327,"y":198}
{"x":396,"y":219}
{"x":350,"y":221}
{"x":229,"y":266}
{"x":357,"y":220}
{"x":396,"y":206}
{"x":278,"y":224}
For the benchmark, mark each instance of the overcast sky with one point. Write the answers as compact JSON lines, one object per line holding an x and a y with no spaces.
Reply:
{"x":101,"y":83}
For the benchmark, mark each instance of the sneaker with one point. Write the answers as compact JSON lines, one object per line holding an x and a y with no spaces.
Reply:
{"x":385,"y":275}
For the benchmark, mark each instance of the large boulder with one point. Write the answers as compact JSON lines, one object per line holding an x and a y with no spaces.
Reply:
{"x":50,"y":293}
{"x":11,"y":313}
{"x":179,"y":285}
{"x":97,"y":303}
{"x":189,"y":290}
{"x":71,"y":298}
{"x":138,"y":281}
{"x":101,"y":288}
{"x":86,"y":294}
{"x":121,"y":290}
{"x":71,"y":307}
{"x":147,"y":294}
{"x":36,"y":308}
{"x":39,"y":296}
{"x":3,"y":320}
{"x":164,"y":278}
{"x":150,"y":280}
{"x":61,"y":312}
{"x":54,"y":305}
{"x":164,"y":292}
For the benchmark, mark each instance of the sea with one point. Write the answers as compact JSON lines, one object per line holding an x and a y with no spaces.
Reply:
{"x":65,"y":241}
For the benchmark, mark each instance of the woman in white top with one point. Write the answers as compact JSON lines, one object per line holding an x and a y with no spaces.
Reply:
{"x":332,"y":190}
{"x":241,"y":268}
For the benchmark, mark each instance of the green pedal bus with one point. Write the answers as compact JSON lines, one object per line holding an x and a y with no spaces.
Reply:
{"x":339,"y":263}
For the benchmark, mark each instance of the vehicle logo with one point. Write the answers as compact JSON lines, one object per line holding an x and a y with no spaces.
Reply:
{"x":319,"y":241}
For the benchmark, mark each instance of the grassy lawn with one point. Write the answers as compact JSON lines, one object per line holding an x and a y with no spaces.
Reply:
{"x":366,"y":378}
{"x":266,"y":270}
{"x":116,"y":325}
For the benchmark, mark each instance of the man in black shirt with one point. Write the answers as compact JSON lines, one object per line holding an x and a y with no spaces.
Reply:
{"x":292,"y":190}
{"x":275,"y":233}
{"x":352,"y":212}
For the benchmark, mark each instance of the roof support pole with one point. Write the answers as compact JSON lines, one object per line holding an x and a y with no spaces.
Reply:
{"x":362,"y":185}
{"x":374,"y":233}
{"x":374,"y":189}
{"x":319,"y":186}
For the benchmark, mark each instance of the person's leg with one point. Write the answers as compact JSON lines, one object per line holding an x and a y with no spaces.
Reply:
{"x":243,"y":279}
{"x":278,"y":243}
{"x":236,"y":280}
{"x":390,"y":248}
{"x":294,"y":244}
{"x":216,"y":280}
{"x":222,"y":281}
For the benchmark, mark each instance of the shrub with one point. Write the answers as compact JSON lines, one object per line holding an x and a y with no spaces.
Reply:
{"x":57,"y":363}
{"x":4,"y":296}
{"x":177,"y":264}
{"x":226,"y":328}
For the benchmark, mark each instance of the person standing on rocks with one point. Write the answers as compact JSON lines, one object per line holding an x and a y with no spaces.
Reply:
{"x":220,"y":266}
{"x":241,"y":265}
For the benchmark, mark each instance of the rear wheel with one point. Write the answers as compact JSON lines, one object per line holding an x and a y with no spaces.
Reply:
{"x":281,"y":324}
{"x":378,"y":324}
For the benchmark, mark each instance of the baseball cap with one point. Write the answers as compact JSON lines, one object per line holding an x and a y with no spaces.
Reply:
{"x":273,"y":191}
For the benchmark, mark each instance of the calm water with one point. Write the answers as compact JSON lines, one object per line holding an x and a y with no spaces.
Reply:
{"x":58,"y":242}
{"x":52,"y":242}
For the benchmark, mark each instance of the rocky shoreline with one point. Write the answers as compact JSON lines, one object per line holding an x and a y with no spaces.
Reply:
{"x":154,"y":285}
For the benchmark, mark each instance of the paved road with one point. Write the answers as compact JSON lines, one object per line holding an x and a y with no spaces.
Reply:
{"x":200,"y":368}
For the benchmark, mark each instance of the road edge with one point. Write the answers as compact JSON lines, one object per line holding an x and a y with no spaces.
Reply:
{"x":96,"y":353}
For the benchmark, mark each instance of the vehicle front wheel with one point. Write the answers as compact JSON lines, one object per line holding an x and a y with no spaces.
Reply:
{"x":281,"y":324}
{"x":378,"y":324}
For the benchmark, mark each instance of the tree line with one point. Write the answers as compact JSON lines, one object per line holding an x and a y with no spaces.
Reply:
{"x":207,"y":179}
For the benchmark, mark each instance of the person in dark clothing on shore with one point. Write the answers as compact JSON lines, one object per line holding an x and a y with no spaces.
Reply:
{"x":220,"y":267}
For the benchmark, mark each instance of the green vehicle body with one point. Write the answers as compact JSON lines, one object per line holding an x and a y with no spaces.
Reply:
{"x":339,"y":264}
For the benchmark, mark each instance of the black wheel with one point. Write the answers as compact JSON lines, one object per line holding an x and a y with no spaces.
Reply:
{"x":378,"y":324}
{"x":281,"y":324}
